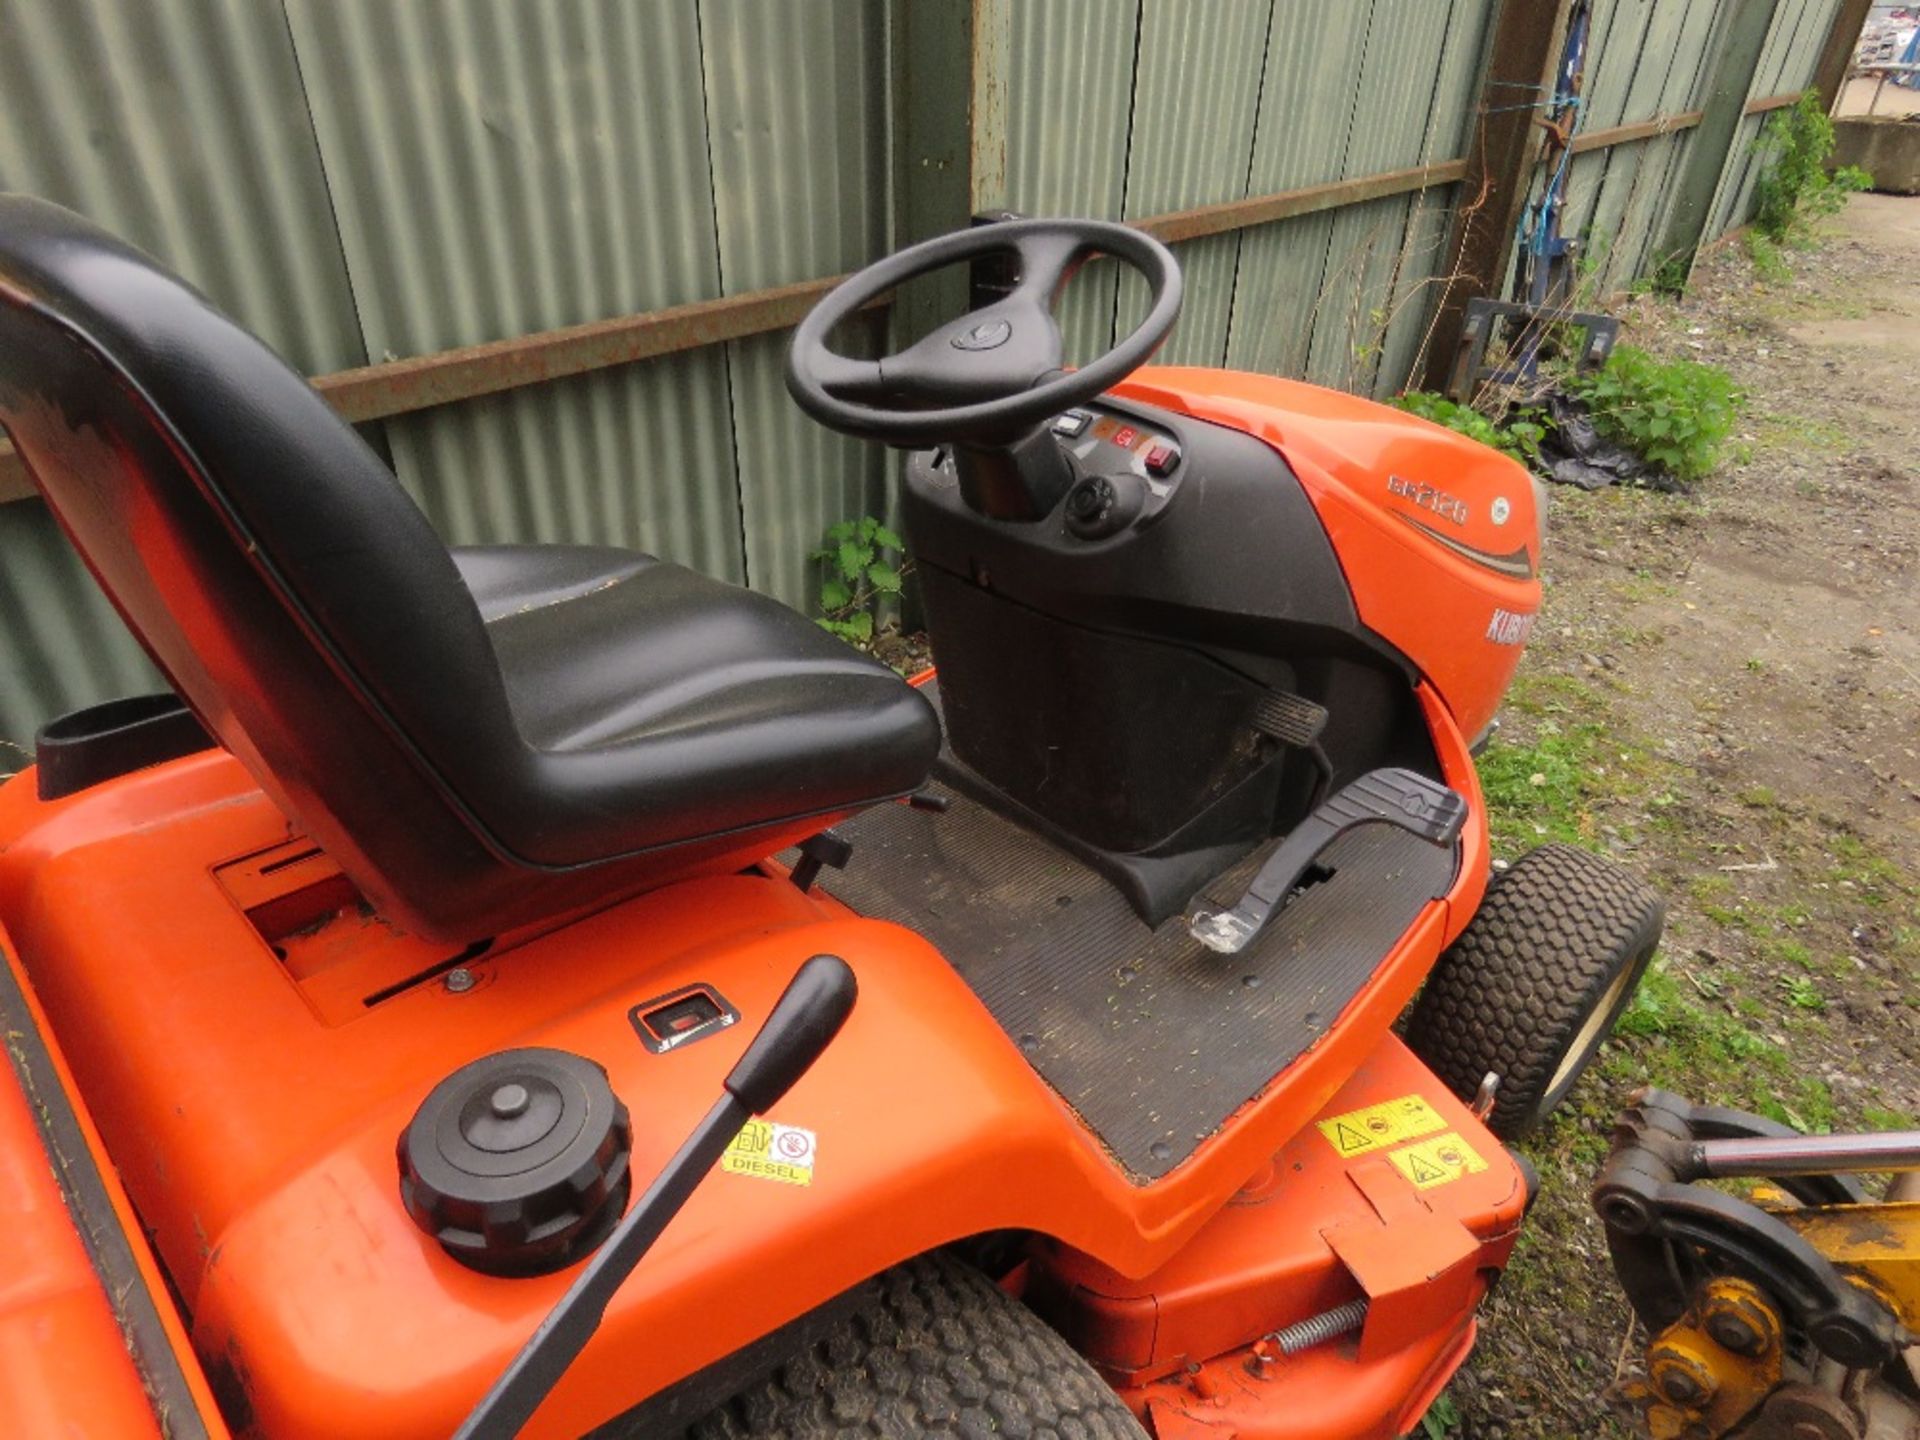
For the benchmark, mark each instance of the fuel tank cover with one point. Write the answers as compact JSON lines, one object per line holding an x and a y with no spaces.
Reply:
{"x":517,"y":1163}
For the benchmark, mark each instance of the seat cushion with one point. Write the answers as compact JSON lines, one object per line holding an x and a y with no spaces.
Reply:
{"x":659,"y":705}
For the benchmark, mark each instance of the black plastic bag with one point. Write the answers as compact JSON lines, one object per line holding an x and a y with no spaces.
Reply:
{"x":1573,"y":452}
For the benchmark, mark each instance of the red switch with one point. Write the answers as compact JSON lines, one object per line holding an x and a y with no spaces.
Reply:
{"x":1161,"y":459}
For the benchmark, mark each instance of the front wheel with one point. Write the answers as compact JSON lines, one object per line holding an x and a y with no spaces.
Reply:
{"x":1533,"y":986}
{"x":932,"y":1347}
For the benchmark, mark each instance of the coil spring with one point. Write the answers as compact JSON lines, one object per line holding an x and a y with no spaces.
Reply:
{"x":1321,"y":1328}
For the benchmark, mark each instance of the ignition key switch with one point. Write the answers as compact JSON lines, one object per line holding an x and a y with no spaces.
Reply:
{"x":1103,"y":505}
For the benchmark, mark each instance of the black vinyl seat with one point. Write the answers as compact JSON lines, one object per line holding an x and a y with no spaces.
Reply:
{"x":481,"y":738}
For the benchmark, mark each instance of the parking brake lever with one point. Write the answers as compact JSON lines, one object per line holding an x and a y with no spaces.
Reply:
{"x":809,"y":1014}
{"x":1398,"y":797}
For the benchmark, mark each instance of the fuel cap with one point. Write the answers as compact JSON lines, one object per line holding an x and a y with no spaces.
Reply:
{"x":518,"y":1162}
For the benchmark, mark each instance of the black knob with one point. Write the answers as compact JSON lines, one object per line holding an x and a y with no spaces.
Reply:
{"x":518,"y":1163}
{"x":1103,"y":505}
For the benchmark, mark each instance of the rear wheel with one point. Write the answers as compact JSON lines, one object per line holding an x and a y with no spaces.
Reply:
{"x":931,"y":1348}
{"x":1533,"y":986}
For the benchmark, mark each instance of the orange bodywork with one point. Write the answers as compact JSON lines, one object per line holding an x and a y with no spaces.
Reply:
{"x":250,"y":1041}
{"x":65,"y":1366}
{"x":253,"y":1111}
{"x":1406,"y":550}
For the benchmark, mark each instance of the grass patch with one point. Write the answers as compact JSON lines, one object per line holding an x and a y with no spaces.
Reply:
{"x":1682,"y":1033}
{"x":1553,"y":782}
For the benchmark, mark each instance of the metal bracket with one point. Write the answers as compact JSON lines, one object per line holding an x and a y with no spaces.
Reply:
{"x":1477,"y":332}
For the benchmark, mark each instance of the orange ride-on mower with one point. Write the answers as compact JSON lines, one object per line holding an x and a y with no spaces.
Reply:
{"x":540,"y":989}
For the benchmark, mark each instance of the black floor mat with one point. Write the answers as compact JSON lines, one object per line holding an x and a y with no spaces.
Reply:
{"x":1153,"y":1039}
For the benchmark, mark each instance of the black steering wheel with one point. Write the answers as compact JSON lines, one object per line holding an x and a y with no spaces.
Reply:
{"x":997,"y":373}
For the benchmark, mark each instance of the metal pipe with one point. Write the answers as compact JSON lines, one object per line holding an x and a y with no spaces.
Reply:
{"x":1809,"y":1155}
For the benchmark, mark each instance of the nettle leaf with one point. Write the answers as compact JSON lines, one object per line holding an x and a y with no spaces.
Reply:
{"x":835,"y":594}
{"x":854,"y":558}
{"x":886,"y":539}
{"x":843,"y":530}
{"x":859,"y":627}
{"x":884,"y":578}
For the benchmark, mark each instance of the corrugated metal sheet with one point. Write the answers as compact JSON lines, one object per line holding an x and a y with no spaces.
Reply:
{"x":800,"y":189}
{"x":1413,"y":50}
{"x":1069,"y":106}
{"x":1613,"y":193}
{"x":1191,"y":145}
{"x":1787,"y":62}
{"x":180,"y":124}
{"x":497,"y":169}
{"x":1307,"y":107}
{"x":358,"y":179}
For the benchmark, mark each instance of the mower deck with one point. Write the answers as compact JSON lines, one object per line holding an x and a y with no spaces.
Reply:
{"x":1151,"y":1038}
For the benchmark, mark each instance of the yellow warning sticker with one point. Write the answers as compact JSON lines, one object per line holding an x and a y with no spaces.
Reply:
{"x":1439,"y":1161}
{"x":771,"y":1152}
{"x":1380,"y":1127}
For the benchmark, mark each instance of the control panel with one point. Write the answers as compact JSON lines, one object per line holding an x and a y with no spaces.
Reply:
{"x":1127,"y":469}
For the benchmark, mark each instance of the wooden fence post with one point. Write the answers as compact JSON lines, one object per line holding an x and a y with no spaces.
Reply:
{"x":949,"y":62}
{"x":1836,"y":57}
{"x":1501,"y":153}
{"x":1740,"y":37}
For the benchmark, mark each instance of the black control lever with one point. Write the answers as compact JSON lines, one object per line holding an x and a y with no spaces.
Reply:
{"x":809,"y":1014}
{"x":1399,"y":797}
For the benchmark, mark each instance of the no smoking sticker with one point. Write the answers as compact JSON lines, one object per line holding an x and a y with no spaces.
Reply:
{"x":1380,"y":1127}
{"x":772,"y":1152}
{"x":1439,"y":1161}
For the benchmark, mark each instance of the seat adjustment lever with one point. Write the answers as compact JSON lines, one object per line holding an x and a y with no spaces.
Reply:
{"x":1397,"y":797}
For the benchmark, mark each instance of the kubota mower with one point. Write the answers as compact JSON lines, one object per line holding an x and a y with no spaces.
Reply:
{"x":396,"y":1007}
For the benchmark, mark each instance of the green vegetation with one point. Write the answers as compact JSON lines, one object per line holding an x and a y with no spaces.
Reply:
{"x":1519,"y":435}
{"x":1684,"y":1031}
{"x":1795,"y":187}
{"x":1441,"y":1420}
{"x":860,"y":567}
{"x":1550,"y":785}
{"x":1764,"y":251}
{"x":1675,"y":413}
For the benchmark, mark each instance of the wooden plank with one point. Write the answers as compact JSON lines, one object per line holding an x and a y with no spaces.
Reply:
{"x":1836,"y":55}
{"x":1263,"y":209}
{"x":1521,"y":59}
{"x":1641,"y":130}
{"x":1772,"y":102}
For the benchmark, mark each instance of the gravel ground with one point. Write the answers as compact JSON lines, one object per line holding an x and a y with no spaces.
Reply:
{"x":1724,"y":693}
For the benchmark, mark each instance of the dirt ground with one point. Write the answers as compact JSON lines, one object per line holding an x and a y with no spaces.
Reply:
{"x":1725,"y":694}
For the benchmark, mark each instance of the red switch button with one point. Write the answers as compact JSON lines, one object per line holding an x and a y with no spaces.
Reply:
{"x":1161,"y":459}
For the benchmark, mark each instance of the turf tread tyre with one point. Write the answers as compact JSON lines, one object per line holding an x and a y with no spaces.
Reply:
{"x":932,"y":1349}
{"x":1513,"y":993}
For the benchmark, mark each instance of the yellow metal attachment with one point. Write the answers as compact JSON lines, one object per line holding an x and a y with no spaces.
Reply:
{"x":1878,"y":1246}
{"x":1713,"y":1366}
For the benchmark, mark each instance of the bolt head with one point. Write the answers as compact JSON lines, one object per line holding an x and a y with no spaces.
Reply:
{"x":1735,"y":1333}
{"x":460,"y":980}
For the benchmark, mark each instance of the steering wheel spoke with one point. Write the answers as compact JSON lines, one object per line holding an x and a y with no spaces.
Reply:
{"x":848,"y":379}
{"x":1047,"y":262}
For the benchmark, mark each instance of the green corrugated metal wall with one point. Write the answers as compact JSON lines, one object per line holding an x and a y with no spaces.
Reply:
{"x":360,"y":180}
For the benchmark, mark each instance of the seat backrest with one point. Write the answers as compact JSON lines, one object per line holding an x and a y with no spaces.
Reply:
{"x":258,"y":548}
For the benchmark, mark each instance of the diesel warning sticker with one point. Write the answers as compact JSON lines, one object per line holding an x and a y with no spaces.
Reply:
{"x":1439,"y":1161}
{"x":1380,"y":1127}
{"x":771,"y":1152}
